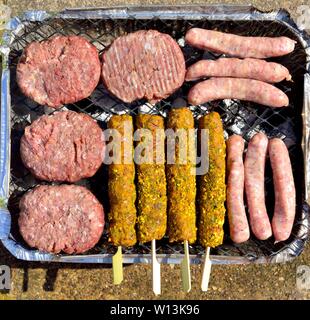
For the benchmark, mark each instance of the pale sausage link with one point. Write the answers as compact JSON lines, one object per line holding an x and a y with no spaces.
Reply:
{"x":254,"y":166}
{"x":239,"y":46}
{"x":285,"y":194}
{"x":238,"y":68}
{"x":238,"y":222}
{"x":235,"y":88}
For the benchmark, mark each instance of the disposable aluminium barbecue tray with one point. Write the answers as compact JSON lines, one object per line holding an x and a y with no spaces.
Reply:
{"x":100,"y":26}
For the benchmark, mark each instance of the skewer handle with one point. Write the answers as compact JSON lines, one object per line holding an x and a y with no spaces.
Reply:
{"x":206,"y":271}
{"x":185,"y":269}
{"x":155,"y":270}
{"x":117,"y":264}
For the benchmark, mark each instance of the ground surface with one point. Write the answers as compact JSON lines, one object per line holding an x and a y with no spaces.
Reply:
{"x":51,"y":281}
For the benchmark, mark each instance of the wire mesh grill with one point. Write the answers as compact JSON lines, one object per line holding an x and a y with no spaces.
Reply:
{"x":243,"y":118}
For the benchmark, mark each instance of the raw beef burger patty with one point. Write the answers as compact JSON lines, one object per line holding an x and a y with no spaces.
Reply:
{"x":65,"y":146}
{"x":65,"y":218}
{"x":58,"y":71}
{"x":143,"y":64}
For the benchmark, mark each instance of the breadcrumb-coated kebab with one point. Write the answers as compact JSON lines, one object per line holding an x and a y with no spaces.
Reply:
{"x":212,"y":189}
{"x":122,"y":190}
{"x":151,"y":183}
{"x":181,"y":182}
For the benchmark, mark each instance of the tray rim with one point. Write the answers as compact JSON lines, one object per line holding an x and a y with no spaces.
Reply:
{"x":212,"y":12}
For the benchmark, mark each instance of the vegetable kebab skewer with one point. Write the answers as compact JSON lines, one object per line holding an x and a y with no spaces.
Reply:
{"x":212,"y":192}
{"x":151,"y":188}
{"x":181,"y":182}
{"x":122,"y":194}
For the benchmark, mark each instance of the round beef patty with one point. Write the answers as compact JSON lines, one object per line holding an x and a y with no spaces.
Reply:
{"x":143,"y":64}
{"x":65,"y":218}
{"x":59,"y":70}
{"x":64,"y":146}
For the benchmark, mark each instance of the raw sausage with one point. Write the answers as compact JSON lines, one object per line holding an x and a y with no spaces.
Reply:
{"x":238,"y":222}
{"x":254,"y":169}
{"x":285,"y":194}
{"x":238,"y":68}
{"x":240,"y":46}
{"x":242,"y":89}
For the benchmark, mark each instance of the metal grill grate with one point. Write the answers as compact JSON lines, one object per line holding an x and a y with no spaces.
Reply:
{"x":238,"y":117}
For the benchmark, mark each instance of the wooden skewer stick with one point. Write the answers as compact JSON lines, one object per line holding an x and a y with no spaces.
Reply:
{"x":185,"y":269}
{"x":155,"y":270}
{"x":206,"y":271}
{"x":117,"y":264}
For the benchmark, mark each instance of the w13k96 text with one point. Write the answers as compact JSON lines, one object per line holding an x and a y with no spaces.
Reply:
{"x":156,"y":309}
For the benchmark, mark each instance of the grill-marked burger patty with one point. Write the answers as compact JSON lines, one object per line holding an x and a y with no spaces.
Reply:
{"x":64,"y":146}
{"x":58,"y":71}
{"x":143,"y":64}
{"x":65,"y":218}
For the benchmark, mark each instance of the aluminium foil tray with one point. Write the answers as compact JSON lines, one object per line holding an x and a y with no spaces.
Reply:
{"x":101,"y":26}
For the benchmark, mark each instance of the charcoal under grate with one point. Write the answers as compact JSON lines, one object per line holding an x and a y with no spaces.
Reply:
{"x":238,"y":117}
